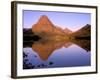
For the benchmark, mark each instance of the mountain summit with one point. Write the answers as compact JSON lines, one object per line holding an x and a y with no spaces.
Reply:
{"x":44,"y":20}
{"x":43,"y":25}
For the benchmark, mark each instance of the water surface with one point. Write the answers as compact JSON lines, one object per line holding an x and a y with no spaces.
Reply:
{"x":56,"y":54}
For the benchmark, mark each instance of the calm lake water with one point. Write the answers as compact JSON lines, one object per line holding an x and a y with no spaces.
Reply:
{"x":56,"y":54}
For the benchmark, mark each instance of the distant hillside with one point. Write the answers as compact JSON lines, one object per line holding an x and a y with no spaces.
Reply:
{"x":67,"y":31}
{"x":58,"y":30}
{"x":27,"y":31}
{"x":83,"y":32}
{"x":28,"y":35}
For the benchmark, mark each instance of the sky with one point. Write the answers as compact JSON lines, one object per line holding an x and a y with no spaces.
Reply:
{"x":70,"y":20}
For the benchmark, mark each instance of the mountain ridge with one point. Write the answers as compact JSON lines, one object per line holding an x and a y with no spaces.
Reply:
{"x":45,"y":25}
{"x":46,"y":29}
{"x":85,"y":31}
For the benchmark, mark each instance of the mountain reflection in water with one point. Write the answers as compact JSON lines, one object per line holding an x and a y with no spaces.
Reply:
{"x":50,"y":54}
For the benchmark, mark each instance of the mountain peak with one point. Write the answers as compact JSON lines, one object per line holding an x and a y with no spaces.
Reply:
{"x":44,"y":20}
{"x":87,"y":25}
{"x":43,"y":17}
{"x":66,"y":30}
{"x":43,"y":25}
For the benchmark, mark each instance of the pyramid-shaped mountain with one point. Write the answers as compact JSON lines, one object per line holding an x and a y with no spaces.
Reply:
{"x":44,"y":25}
{"x":44,"y":20}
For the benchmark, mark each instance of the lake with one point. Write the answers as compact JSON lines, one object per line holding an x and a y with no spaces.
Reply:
{"x":49,"y":54}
